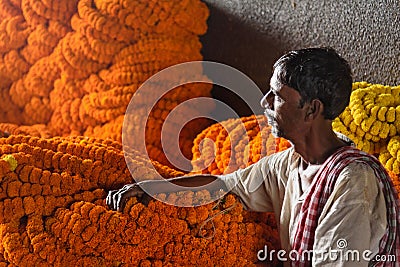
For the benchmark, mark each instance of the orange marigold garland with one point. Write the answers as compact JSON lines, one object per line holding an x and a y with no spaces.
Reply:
{"x":9,"y":8}
{"x":132,"y":66}
{"x":160,"y":233}
{"x":65,"y":100}
{"x":13,"y":33}
{"x":174,"y":18}
{"x":222,"y":148}
{"x":63,"y":80}
{"x":38,"y":247}
{"x":52,"y":211}
{"x":30,"y":91}
{"x":39,"y":130}
{"x":235,"y":143}
{"x":104,"y":23}
{"x":150,"y":36}
{"x":40,"y":175}
{"x":93,"y":43}
{"x":396,"y":181}
{"x":105,"y":153}
{"x":12,"y":67}
{"x":9,"y":111}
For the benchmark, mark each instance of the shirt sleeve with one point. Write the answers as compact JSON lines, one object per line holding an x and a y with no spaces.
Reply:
{"x":260,"y":186}
{"x":353,"y":220}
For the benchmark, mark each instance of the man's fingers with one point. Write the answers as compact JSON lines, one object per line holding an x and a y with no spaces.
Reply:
{"x":129,"y":192}
{"x":110,"y":199}
{"x":121,"y":200}
{"x":113,"y":198}
{"x":116,"y":199}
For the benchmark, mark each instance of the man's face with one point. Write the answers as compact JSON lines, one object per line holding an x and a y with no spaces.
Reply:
{"x":283,"y":111}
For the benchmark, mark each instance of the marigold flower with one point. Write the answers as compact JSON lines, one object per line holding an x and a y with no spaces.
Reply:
{"x":371,"y":115}
{"x":78,"y":83}
{"x":212,"y":148}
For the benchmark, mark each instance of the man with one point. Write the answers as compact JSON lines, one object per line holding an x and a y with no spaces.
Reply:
{"x":328,"y":197}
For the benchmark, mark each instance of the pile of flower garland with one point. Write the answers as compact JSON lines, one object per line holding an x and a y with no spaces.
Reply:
{"x":70,"y":68}
{"x":52,"y":211}
{"x":235,"y":143}
{"x":372,"y":121}
{"x":158,"y":234}
{"x":30,"y":30}
{"x":38,"y":130}
{"x":73,"y":65}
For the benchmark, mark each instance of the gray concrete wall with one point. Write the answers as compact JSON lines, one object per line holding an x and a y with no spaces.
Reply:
{"x":251,"y":34}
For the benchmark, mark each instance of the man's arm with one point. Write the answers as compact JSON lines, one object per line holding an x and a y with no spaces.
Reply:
{"x":257,"y":185}
{"x":116,"y":199}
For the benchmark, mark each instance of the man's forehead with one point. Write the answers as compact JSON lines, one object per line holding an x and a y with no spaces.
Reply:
{"x":274,"y":81}
{"x":289,"y":92}
{"x":284,"y":90}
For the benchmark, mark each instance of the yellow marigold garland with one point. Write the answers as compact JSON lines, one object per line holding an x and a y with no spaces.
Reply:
{"x":390,"y":156}
{"x":370,"y":118}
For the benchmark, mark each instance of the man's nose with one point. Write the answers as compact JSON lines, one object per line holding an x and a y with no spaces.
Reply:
{"x":268,"y":100}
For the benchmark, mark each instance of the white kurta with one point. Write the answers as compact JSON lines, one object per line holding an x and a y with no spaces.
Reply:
{"x":352,"y":221}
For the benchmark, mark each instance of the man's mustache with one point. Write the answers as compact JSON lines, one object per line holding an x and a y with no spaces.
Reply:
{"x":269,"y":114}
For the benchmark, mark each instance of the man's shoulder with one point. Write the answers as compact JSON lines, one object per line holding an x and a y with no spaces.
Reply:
{"x":278,"y":156}
{"x":358,"y":174}
{"x":279,"y":162}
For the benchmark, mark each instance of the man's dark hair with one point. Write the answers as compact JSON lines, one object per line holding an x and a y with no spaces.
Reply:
{"x":317,"y":73}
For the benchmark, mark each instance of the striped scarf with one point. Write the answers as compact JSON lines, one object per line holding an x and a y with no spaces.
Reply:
{"x":322,"y":189}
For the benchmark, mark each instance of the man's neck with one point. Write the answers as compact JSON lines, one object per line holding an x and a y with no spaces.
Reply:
{"x":318,"y":144}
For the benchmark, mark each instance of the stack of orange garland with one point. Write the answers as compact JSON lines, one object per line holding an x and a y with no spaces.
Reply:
{"x":69,"y":68}
{"x":52,"y":212}
{"x":29,"y":31}
{"x":233,"y":144}
{"x":74,"y":65}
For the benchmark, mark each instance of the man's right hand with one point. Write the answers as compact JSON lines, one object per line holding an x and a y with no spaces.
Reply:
{"x":116,"y":199}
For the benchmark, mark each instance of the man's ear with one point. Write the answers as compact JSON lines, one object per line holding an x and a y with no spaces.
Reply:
{"x":315,"y":108}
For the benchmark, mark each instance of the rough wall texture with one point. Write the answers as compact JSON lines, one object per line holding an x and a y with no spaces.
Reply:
{"x":251,"y":34}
